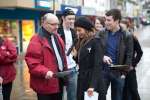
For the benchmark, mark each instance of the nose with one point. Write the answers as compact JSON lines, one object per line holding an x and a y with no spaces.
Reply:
{"x":77,"y":33}
{"x":72,"y":21}
{"x":106,"y":22}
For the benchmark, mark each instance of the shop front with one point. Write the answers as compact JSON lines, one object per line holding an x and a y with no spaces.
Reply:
{"x":19,"y":24}
{"x":10,"y":29}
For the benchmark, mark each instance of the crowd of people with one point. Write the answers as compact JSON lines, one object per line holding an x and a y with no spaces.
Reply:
{"x":81,"y":54}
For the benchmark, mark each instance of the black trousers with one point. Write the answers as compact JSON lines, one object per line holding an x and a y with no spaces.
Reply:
{"x":130,"y":91}
{"x":56,"y":96}
{"x":6,"y":90}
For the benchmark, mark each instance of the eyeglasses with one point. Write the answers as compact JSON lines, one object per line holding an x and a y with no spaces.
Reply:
{"x":53,"y":24}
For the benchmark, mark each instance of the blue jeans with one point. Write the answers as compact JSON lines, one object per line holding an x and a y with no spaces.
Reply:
{"x":72,"y":85}
{"x":117,"y":84}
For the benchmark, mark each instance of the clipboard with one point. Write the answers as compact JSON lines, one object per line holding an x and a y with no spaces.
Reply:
{"x":63,"y":74}
{"x":119,"y":67}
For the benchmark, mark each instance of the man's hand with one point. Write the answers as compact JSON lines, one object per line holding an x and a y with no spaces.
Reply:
{"x":1,"y":80}
{"x":49,"y":75}
{"x":107,"y":60}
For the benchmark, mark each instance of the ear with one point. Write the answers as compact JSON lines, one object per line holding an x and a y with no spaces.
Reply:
{"x":63,"y":18}
{"x":117,"y":21}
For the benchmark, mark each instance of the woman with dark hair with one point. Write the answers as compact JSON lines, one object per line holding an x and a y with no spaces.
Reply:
{"x":8,"y":56}
{"x":130,"y":91}
{"x":89,"y":57}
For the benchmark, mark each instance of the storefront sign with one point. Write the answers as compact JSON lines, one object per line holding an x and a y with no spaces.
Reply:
{"x":76,"y":9}
{"x":44,"y":4}
{"x":88,"y":11}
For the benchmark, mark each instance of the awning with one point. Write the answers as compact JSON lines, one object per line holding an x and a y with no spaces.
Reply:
{"x":23,"y":13}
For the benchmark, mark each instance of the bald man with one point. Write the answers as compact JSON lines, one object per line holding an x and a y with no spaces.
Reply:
{"x":45,"y":56}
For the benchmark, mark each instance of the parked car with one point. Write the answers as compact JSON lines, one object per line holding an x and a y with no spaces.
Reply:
{"x":145,"y":18}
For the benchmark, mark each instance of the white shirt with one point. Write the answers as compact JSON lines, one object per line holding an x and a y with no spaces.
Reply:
{"x":69,"y":41}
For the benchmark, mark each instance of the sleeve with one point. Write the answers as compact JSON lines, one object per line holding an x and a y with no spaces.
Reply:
{"x":3,"y":55}
{"x":8,"y":52}
{"x":34,"y":58}
{"x":138,"y":52}
{"x":97,"y":70}
{"x":129,"y":49}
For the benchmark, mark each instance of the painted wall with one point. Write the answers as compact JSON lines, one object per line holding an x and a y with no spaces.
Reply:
{"x":17,"y":3}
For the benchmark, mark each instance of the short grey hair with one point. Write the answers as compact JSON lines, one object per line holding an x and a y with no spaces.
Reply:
{"x":49,"y":16}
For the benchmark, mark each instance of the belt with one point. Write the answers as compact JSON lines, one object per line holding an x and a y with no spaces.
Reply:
{"x":74,"y":68}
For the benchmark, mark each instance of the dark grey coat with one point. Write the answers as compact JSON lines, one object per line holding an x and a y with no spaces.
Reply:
{"x":90,"y":68}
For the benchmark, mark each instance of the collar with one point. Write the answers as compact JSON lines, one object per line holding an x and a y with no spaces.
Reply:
{"x":44,"y":33}
{"x":120,"y":30}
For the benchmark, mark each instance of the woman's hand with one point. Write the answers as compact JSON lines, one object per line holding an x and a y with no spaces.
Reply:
{"x":90,"y":92}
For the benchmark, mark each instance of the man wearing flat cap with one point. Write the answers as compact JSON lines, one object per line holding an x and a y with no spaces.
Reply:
{"x":68,"y":34}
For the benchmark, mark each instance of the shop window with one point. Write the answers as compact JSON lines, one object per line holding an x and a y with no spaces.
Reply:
{"x":9,"y":29}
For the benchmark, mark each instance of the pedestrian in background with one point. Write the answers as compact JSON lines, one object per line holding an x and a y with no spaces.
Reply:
{"x":45,"y":56}
{"x":130,"y":91}
{"x":130,"y":24}
{"x":117,"y":52}
{"x":69,"y":37}
{"x":8,"y":56}
{"x":99,"y":23}
{"x":89,"y":57}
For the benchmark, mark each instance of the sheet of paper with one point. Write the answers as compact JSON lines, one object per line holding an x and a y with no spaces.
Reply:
{"x":94,"y":97}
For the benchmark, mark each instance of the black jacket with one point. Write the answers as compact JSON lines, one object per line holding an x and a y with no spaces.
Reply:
{"x":125,"y":47}
{"x":137,"y":52}
{"x":90,"y":57}
{"x":61,"y":33}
